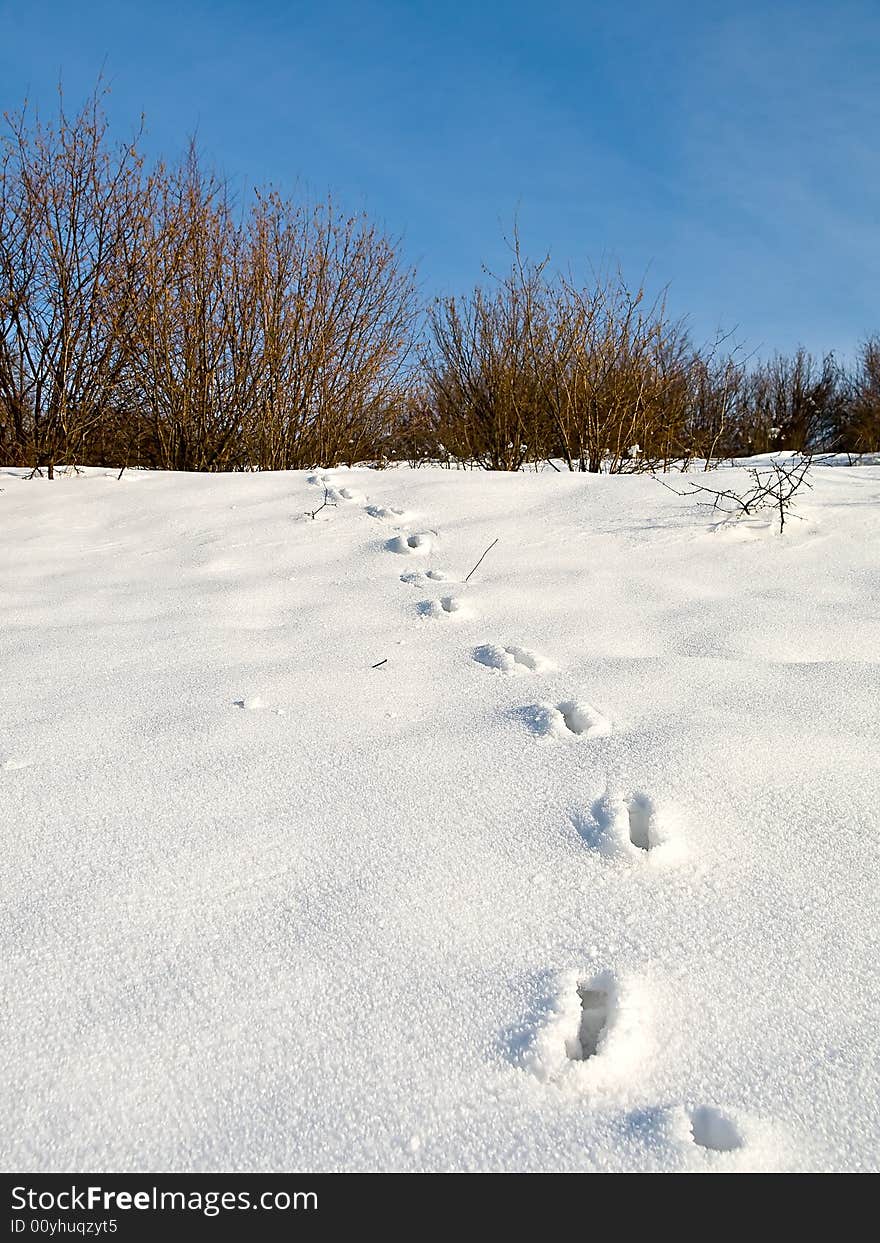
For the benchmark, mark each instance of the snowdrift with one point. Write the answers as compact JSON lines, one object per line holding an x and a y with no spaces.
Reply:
{"x":317,"y":856}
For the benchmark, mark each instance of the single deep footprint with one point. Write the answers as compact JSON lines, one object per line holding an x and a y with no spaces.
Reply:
{"x":642,"y":822}
{"x":407,"y":545}
{"x":591,"y":1029}
{"x":573,"y":717}
{"x":714,"y":1130}
{"x":595,"y":1012}
{"x":510,"y":659}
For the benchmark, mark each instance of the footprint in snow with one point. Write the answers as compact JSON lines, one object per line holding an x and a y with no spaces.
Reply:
{"x":251,"y":703}
{"x":626,"y":826}
{"x":714,"y":1130}
{"x":572,"y":717}
{"x":714,"y":1134}
{"x":446,"y":606}
{"x":510,"y":659}
{"x":344,"y":494}
{"x":409,"y":545}
{"x":387,"y":513}
{"x":592,"y":1025}
{"x":335,"y":492}
{"x":592,"y":1029}
{"x":641,"y":816}
{"x":418,"y":578}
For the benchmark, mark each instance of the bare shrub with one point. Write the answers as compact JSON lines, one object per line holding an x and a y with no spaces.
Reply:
{"x":192,"y":367}
{"x":146,"y":318}
{"x":483,"y":370}
{"x":791,"y":402}
{"x":335,"y":308}
{"x":630,"y":380}
{"x":142,"y":318}
{"x":70,"y":261}
{"x":859,"y":431}
{"x":773,"y":486}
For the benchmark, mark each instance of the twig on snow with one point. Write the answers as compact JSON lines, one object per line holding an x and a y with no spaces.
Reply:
{"x":326,"y":501}
{"x":477,"y":566}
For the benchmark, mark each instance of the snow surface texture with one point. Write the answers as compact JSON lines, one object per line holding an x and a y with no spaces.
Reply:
{"x":305,"y":868}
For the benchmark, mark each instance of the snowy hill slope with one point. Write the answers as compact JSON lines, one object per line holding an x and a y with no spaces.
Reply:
{"x":584,"y":876}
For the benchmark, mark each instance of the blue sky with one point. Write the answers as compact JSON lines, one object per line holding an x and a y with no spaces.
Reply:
{"x":729,"y":150}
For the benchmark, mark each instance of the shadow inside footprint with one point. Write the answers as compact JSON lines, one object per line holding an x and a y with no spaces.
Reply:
{"x":578,"y":718}
{"x":251,"y":703}
{"x":445,"y":606}
{"x":594,"y":1021}
{"x":642,"y":822}
{"x":408,"y":544}
{"x":390,"y":513}
{"x":508,"y":659}
{"x":620,"y":825}
{"x":714,"y":1130}
{"x":418,"y":578}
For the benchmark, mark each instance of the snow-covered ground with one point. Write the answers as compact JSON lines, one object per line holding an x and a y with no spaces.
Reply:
{"x":583,"y":876}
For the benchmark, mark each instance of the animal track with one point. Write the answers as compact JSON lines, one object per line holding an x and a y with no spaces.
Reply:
{"x":446,"y":606}
{"x":334,"y":492}
{"x":510,"y":659}
{"x":590,"y":1027}
{"x":593,"y":1022}
{"x":251,"y":703}
{"x":418,"y":578}
{"x":628,"y":825}
{"x":388,"y":513}
{"x":642,"y":817}
{"x":714,"y":1130}
{"x":581,"y":718}
{"x":572,"y":717}
{"x":407,"y":545}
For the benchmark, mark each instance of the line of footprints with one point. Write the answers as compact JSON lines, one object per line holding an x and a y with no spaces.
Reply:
{"x":589,"y":1032}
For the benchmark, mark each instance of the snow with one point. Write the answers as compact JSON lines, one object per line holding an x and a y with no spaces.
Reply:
{"x":584,"y":876}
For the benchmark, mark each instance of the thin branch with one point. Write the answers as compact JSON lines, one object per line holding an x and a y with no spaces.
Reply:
{"x":774,"y":488}
{"x":326,"y":501}
{"x":489,"y":549}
